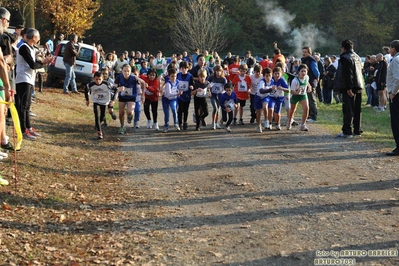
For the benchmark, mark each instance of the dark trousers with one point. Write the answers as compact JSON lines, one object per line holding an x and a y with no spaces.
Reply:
{"x":227,"y":117}
{"x":23,"y":99}
{"x":182,"y":111}
{"x":200,"y":104}
{"x":352,"y":111}
{"x":99,"y":114}
{"x":252,"y":106}
{"x":154,"y":110}
{"x":312,"y":101}
{"x":319,"y":93}
{"x":327,"y":95}
{"x":394,"y":110}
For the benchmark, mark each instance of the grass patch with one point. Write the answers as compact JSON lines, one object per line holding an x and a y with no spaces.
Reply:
{"x":376,"y":126}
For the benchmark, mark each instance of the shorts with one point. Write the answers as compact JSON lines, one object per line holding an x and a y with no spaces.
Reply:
{"x":276,"y":103}
{"x":242,"y":102}
{"x":258,"y":102}
{"x":125,"y":100}
{"x":2,"y":95}
{"x":298,"y":98}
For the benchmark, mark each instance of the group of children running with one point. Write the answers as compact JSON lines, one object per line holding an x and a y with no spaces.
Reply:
{"x":267,"y":89}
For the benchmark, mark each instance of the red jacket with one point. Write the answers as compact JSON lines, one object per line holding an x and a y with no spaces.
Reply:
{"x":151,"y":92}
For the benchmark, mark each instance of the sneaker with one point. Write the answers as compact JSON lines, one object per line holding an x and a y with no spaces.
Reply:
{"x":122,"y":130}
{"x":266,"y":124}
{"x":294,"y":123}
{"x":203,"y":123}
{"x":3,"y":154}
{"x":99,"y":135}
{"x":104,"y":125}
{"x":165,"y":130}
{"x":345,"y":136}
{"x":185,"y":126}
{"x":129,"y":119}
{"x":218,"y":126}
{"x":33,"y":132}
{"x":177,"y":127}
{"x":113,"y":116}
{"x":270,"y":126}
{"x":75,"y":92}
{"x":310,"y":120}
{"x":221,"y":121}
{"x":252,"y":121}
{"x":197,"y":129}
{"x":156,"y":127}
{"x":241,"y":122}
{"x":228,"y":129}
{"x":3,"y":182}
{"x":149,"y":124}
{"x":289,"y":126}
{"x":234,"y":121}
{"x":136,"y":125}
{"x":278,"y":127}
{"x":32,"y":114}
{"x":8,"y":146}
{"x":259,"y":129}
{"x":27,"y":135}
{"x":304,"y":128}
{"x":213,"y":126}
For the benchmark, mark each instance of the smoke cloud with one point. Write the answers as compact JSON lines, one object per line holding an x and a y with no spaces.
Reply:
{"x":278,"y":19}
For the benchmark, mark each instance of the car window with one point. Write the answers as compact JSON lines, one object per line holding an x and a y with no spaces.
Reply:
{"x":85,"y":54}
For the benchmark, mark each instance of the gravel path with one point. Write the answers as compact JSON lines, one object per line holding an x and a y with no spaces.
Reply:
{"x":275,"y":198}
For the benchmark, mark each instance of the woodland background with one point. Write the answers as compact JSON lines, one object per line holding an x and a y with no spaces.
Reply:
{"x":150,"y":25}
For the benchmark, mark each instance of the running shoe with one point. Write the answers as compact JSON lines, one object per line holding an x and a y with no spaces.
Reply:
{"x":122,"y":130}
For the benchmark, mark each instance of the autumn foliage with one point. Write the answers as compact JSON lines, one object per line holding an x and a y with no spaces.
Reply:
{"x":70,"y":16}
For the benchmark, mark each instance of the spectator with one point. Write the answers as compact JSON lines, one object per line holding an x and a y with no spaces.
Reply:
{"x":50,"y":44}
{"x":393,"y":88}
{"x":349,"y":81}
{"x":328,"y":80}
{"x":381,"y":79}
{"x":69,"y":63}
{"x":25,"y":81}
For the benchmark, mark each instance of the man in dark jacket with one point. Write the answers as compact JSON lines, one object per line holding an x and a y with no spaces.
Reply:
{"x":69,"y":62}
{"x":349,"y":81}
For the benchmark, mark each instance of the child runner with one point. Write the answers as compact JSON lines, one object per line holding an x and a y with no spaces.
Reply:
{"x":256,"y":77}
{"x":169,"y":99}
{"x":106,"y":77}
{"x":160,"y":64}
{"x":299,"y":88}
{"x":228,"y":102}
{"x":234,"y":69}
{"x":144,"y":67}
{"x":151,"y":98}
{"x":242,"y":83}
{"x":127,"y":88}
{"x":140,"y":99}
{"x":201,"y":87}
{"x":186,"y":85}
{"x":261,"y":99}
{"x":277,"y":96}
{"x":217,"y":84}
{"x":100,"y":92}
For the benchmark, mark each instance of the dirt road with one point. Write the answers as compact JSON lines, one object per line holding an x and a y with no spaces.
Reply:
{"x":276,"y":198}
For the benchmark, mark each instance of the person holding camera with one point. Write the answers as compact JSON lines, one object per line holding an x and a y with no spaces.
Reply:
{"x":69,"y":62}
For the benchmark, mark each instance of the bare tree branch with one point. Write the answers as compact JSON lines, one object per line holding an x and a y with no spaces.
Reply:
{"x":199,"y":24}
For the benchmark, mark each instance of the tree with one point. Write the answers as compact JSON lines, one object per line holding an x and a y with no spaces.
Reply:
{"x":25,"y":8}
{"x":70,"y":16}
{"x":199,"y":24}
